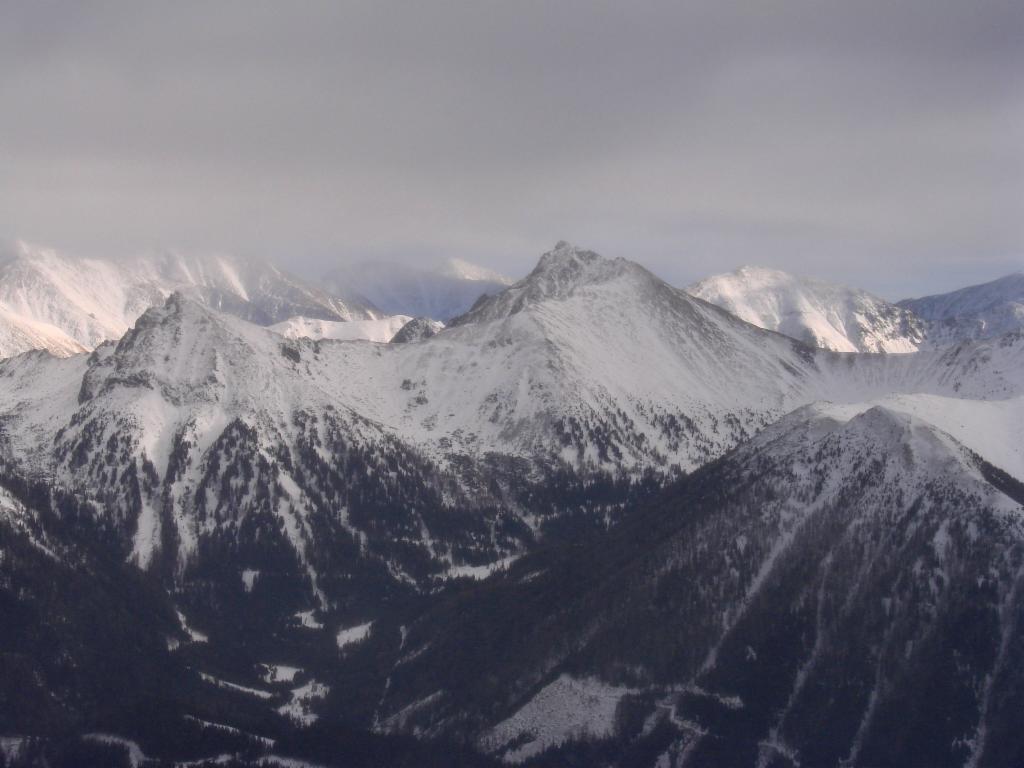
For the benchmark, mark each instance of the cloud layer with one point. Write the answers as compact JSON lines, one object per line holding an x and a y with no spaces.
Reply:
{"x":873,"y":142}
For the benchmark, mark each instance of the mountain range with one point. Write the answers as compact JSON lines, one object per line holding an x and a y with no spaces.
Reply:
{"x":976,"y":312}
{"x":68,"y":304}
{"x":594,"y":520}
{"x":851,"y":320}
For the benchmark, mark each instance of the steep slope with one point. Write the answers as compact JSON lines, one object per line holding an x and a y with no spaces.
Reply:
{"x":821,"y":314}
{"x":301,"y":498}
{"x":19,"y":334}
{"x":847,"y":588}
{"x":440,"y":293}
{"x":976,"y":312}
{"x":417,"y":329}
{"x":65,"y":304}
{"x":589,"y":368}
{"x":100,"y":667}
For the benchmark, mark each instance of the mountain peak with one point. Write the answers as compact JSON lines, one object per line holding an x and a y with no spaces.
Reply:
{"x":559,"y":273}
{"x":565,"y":253}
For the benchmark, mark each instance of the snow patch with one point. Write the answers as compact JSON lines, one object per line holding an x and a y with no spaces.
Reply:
{"x":259,"y":694}
{"x":299,"y":708}
{"x":279,"y":673}
{"x":565,"y":709}
{"x":193,"y":634}
{"x":308,"y":619}
{"x":353,"y":635}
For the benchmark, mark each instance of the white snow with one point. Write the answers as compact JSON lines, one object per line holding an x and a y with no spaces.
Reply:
{"x":11,"y":747}
{"x":194,"y":635}
{"x":566,"y":708}
{"x":976,"y":312}
{"x":147,"y":536}
{"x":480,"y":572}
{"x":825,"y":315}
{"x":308,"y":619}
{"x":68,"y":304}
{"x":300,"y":707}
{"x":249,"y":577}
{"x":279,"y":673}
{"x":353,"y":635}
{"x":465,"y":270}
{"x":597,"y":341}
{"x":381,"y":330}
{"x":259,"y":694}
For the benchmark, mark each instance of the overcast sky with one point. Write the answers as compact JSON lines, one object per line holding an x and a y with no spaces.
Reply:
{"x":880,"y":144}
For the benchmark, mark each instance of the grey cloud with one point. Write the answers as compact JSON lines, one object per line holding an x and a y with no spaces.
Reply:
{"x":877,"y":143}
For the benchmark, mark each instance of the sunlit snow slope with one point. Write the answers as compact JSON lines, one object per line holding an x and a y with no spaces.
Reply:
{"x":829,"y":316}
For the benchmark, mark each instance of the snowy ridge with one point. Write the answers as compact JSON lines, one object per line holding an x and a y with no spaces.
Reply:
{"x":590,"y":364}
{"x":856,"y":513}
{"x":67,"y":304}
{"x":975,"y":312}
{"x":821,"y":314}
{"x":381,"y":330}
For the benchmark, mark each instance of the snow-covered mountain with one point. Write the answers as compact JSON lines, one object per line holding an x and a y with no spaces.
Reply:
{"x":587,"y":366}
{"x":65,"y":304}
{"x":845,"y":589}
{"x":301,"y":502}
{"x":821,"y":314}
{"x":417,"y":329}
{"x":380,"y":330}
{"x":976,"y":312}
{"x":439,"y":293}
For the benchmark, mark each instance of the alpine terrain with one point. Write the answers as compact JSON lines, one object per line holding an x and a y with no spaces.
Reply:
{"x":593,"y":520}
{"x":68,"y":304}
{"x":821,"y":314}
{"x":976,"y":312}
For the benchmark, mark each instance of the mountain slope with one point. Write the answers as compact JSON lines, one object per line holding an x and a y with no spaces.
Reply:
{"x":439,"y":294}
{"x":823,"y":315}
{"x":302,"y":500}
{"x":976,"y":312}
{"x":846,"y":588}
{"x":380,"y":330}
{"x":587,"y":368}
{"x":65,"y":304}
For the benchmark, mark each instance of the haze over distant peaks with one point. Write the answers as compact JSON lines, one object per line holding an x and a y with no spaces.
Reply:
{"x":67,"y":304}
{"x":975,"y":312}
{"x":822,"y":314}
{"x":440,"y":293}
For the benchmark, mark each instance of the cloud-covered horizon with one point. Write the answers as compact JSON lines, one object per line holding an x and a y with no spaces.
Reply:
{"x":870,"y":143}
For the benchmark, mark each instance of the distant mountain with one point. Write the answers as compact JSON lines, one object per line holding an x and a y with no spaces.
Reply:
{"x":821,"y":314}
{"x":440,"y":293}
{"x":417,"y":329}
{"x":66,"y":304}
{"x":976,"y":312}
{"x":588,"y":368}
{"x":301,"y":510}
{"x":381,"y":330}
{"x":844,"y":589}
